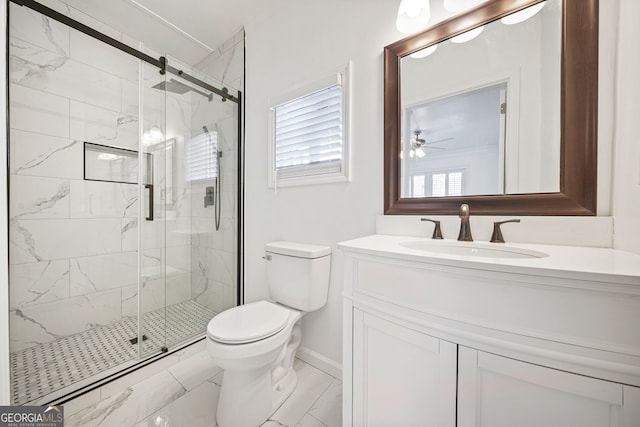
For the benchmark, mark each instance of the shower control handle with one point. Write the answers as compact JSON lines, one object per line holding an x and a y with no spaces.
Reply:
{"x":150,"y":188}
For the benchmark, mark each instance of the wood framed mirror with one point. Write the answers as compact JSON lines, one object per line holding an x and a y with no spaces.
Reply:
{"x":578,"y":122}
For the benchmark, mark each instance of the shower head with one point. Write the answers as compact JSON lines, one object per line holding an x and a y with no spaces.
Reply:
{"x":179,"y":88}
{"x":172,"y":86}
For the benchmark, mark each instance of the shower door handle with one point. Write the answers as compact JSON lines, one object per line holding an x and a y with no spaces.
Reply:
{"x":150,"y":188}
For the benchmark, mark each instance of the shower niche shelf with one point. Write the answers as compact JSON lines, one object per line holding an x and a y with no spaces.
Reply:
{"x":115,"y":164}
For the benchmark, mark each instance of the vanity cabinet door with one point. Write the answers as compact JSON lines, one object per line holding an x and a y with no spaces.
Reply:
{"x":496,"y":391}
{"x":401,"y":377}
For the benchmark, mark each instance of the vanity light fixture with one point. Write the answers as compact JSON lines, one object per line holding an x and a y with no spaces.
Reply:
{"x":423,"y":53}
{"x":416,"y":145}
{"x":468,"y":35}
{"x":152,"y":136}
{"x":523,"y":15}
{"x":413,"y":16}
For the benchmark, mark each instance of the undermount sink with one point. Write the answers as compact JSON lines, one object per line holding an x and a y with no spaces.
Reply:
{"x":472,"y":250}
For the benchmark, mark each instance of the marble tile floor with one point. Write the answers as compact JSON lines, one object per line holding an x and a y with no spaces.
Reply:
{"x":47,"y":367}
{"x":186,"y":394}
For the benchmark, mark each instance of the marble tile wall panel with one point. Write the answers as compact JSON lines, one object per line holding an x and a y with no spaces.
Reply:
{"x":85,"y":49}
{"x":153,"y":294}
{"x":101,"y":126}
{"x":129,"y":300}
{"x":102,"y":272}
{"x":37,"y":111}
{"x":130,"y":98}
{"x":36,"y":197}
{"x":178,"y":288}
{"x":45,"y":239}
{"x":217,"y":296}
{"x":56,"y":74}
{"x":156,"y":293}
{"x":95,"y":199}
{"x":153,"y":233}
{"x":48,"y":321}
{"x":71,"y":12}
{"x":38,"y":282}
{"x":226,"y":63}
{"x":42,"y":155}
{"x":37,"y":29}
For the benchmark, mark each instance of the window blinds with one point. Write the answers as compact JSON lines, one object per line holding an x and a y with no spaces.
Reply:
{"x":202,"y":153}
{"x":308,"y":134}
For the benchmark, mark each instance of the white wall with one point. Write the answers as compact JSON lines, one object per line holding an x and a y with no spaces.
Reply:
{"x":297,"y":45}
{"x":302,"y":42}
{"x":626,"y":176}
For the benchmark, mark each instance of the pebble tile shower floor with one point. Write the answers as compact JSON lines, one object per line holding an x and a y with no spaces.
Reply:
{"x":42,"y":369}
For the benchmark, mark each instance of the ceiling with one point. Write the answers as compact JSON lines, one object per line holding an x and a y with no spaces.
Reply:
{"x":186,"y":29}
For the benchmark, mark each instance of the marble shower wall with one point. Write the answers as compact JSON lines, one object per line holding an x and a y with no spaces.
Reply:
{"x":214,"y":252}
{"x":226,"y":63}
{"x":73,"y":243}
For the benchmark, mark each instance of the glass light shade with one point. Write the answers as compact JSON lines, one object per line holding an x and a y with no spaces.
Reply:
{"x":413,"y":16}
{"x":469,"y":35}
{"x":523,"y":15}
{"x":424,"y":52}
{"x":152,"y":136}
{"x":460,"y":5}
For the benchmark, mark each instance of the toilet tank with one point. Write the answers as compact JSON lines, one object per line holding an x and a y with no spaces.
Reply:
{"x":298,"y":274}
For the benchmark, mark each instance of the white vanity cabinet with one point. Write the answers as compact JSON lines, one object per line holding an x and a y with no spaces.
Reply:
{"x":401,"y":377}
{"x":444,"y":340}
{"x":495,"y":391}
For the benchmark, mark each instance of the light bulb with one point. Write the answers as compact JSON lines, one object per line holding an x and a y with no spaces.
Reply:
{"x":522,"y":15}
{"x":420,"y":153}
{"x":413,"y":16}
{"x":152,"y":136}
{"x":466,"y":36}
{"x":424,"y":52}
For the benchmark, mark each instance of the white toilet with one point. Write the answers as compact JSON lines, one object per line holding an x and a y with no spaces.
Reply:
{"x":256,"y":343}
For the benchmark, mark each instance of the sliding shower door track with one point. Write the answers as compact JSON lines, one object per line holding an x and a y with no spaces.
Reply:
{"x":61,"y":397}
{"x":161,"y":62}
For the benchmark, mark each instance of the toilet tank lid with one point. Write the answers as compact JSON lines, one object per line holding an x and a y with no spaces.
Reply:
{"x":301,"y":250}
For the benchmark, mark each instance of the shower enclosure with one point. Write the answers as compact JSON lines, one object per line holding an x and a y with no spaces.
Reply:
{"x":123,"y":204}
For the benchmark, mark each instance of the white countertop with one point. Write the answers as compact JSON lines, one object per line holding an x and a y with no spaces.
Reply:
{"x":570,"y":262}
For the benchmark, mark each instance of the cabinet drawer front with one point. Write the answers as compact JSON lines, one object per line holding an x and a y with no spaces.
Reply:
{"x":553,"y":311}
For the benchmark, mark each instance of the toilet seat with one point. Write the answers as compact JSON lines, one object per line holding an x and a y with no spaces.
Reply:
{"x":248,"y":323}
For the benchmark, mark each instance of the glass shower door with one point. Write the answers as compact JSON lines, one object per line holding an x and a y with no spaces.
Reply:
{"x":157,"y":153}
{"x":201,"y":200}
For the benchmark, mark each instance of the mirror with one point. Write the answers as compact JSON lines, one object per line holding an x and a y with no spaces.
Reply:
{"x":506,"y":122}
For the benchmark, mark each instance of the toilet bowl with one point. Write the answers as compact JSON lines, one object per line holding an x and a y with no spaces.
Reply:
{"x":255,"y":344}
{"x":258,"y":374}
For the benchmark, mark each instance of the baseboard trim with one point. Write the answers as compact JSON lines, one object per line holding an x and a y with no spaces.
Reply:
{"x":321,"y":362}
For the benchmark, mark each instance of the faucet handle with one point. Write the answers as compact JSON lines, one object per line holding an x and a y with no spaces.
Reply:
{"x":437,"y":232}
{"x":496,"y":236}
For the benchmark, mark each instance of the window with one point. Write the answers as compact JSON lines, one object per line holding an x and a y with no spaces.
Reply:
{"x":309,"y":135}
{"x":446,"y":184}
{"x":202,"y":152}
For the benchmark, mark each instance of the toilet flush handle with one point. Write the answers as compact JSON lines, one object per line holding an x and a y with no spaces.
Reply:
{"x":267,"y":257}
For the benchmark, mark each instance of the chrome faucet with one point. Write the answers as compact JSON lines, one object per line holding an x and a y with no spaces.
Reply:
{"x":465,"y":227}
